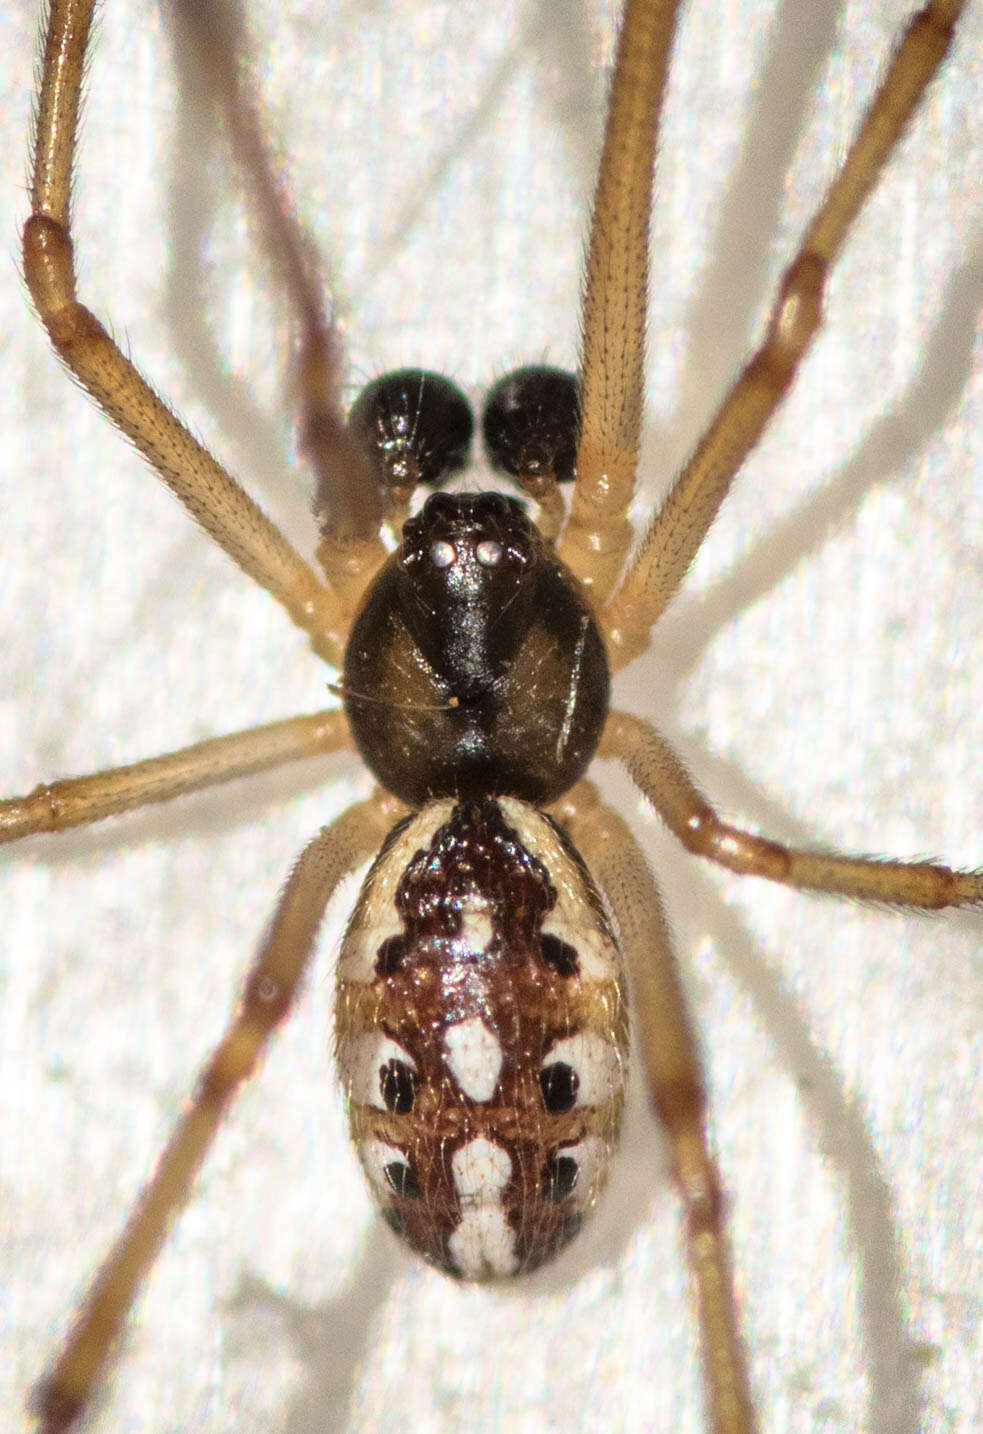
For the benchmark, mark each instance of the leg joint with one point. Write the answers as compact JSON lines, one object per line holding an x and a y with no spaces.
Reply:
{"x":49,"y":265}
{"x":796,"y":318}
{"x":706,"y":835}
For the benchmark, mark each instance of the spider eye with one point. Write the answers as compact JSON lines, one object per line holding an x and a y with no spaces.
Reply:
{"x":442,"y":554}
{"x":531,"y":423}
{"x":488,"y":553}
{"x":416,"y":427}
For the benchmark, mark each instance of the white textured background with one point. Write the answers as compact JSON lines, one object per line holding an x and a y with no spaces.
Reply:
{"x":822,"y":672}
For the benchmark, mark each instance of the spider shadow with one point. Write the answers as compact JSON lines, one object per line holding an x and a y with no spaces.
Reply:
{"x":258,"y":437}
{"x":730,"y":295}
{"x":889,"y":447}
{"x":839,"y":1125}
{"x":330,"y":1340}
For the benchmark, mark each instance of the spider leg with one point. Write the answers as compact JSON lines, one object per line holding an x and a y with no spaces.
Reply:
{"x":270,"y":990}
{"x":212,"y":497}
{"x":677,"y":1090}
{"x":598,"y":535}
{"x":662,"y":778}
{"x":679,"y":528}
{"x":348,"y":502}
{"x":56,"y":806}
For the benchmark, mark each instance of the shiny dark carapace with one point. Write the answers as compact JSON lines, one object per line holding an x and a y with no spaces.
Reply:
{"x":475,"y":664}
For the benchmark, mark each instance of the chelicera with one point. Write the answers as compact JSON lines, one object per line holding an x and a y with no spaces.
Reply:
{"x":481,"y":1021}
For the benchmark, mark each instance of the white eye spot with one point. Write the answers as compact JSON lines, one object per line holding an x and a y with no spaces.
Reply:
{"x":375,"y":1156}
{"x":359,"y":1062}
{"x":597,"y":956}
{"x":481,"y":1171}
{"x":596,"y":1063}
{"x":592,"y":1157}
{"x":488,"y":553}
{"x":360,"y":949}
{"x":575,"y":918}
{"x":474,"y":1058}
{"x":442,"y":554}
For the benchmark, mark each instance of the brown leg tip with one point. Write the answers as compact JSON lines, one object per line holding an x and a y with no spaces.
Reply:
{"x":55,"y":1409}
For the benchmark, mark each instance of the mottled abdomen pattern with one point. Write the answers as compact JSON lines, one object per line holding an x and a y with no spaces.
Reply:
{"x":482,"y":1035}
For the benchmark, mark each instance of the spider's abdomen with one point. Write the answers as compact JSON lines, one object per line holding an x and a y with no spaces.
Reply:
{"x":482,"y":1035}
{"x":475,"y":664}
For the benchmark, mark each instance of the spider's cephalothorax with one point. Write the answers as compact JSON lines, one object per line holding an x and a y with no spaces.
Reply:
{"x":482,"y":1035}
{"x":475,"y":664}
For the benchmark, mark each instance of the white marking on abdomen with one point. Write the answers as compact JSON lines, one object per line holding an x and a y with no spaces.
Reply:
{"x":476,"y":925}
{"x":359,"y":1062}
{"x":474,"y":1058}
{"x":597,"y":1063}
{"x":376,"y":1155}
{"x":483,"y":1242}
{"x":591,"y":1156}
{"x":361,"y":949}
